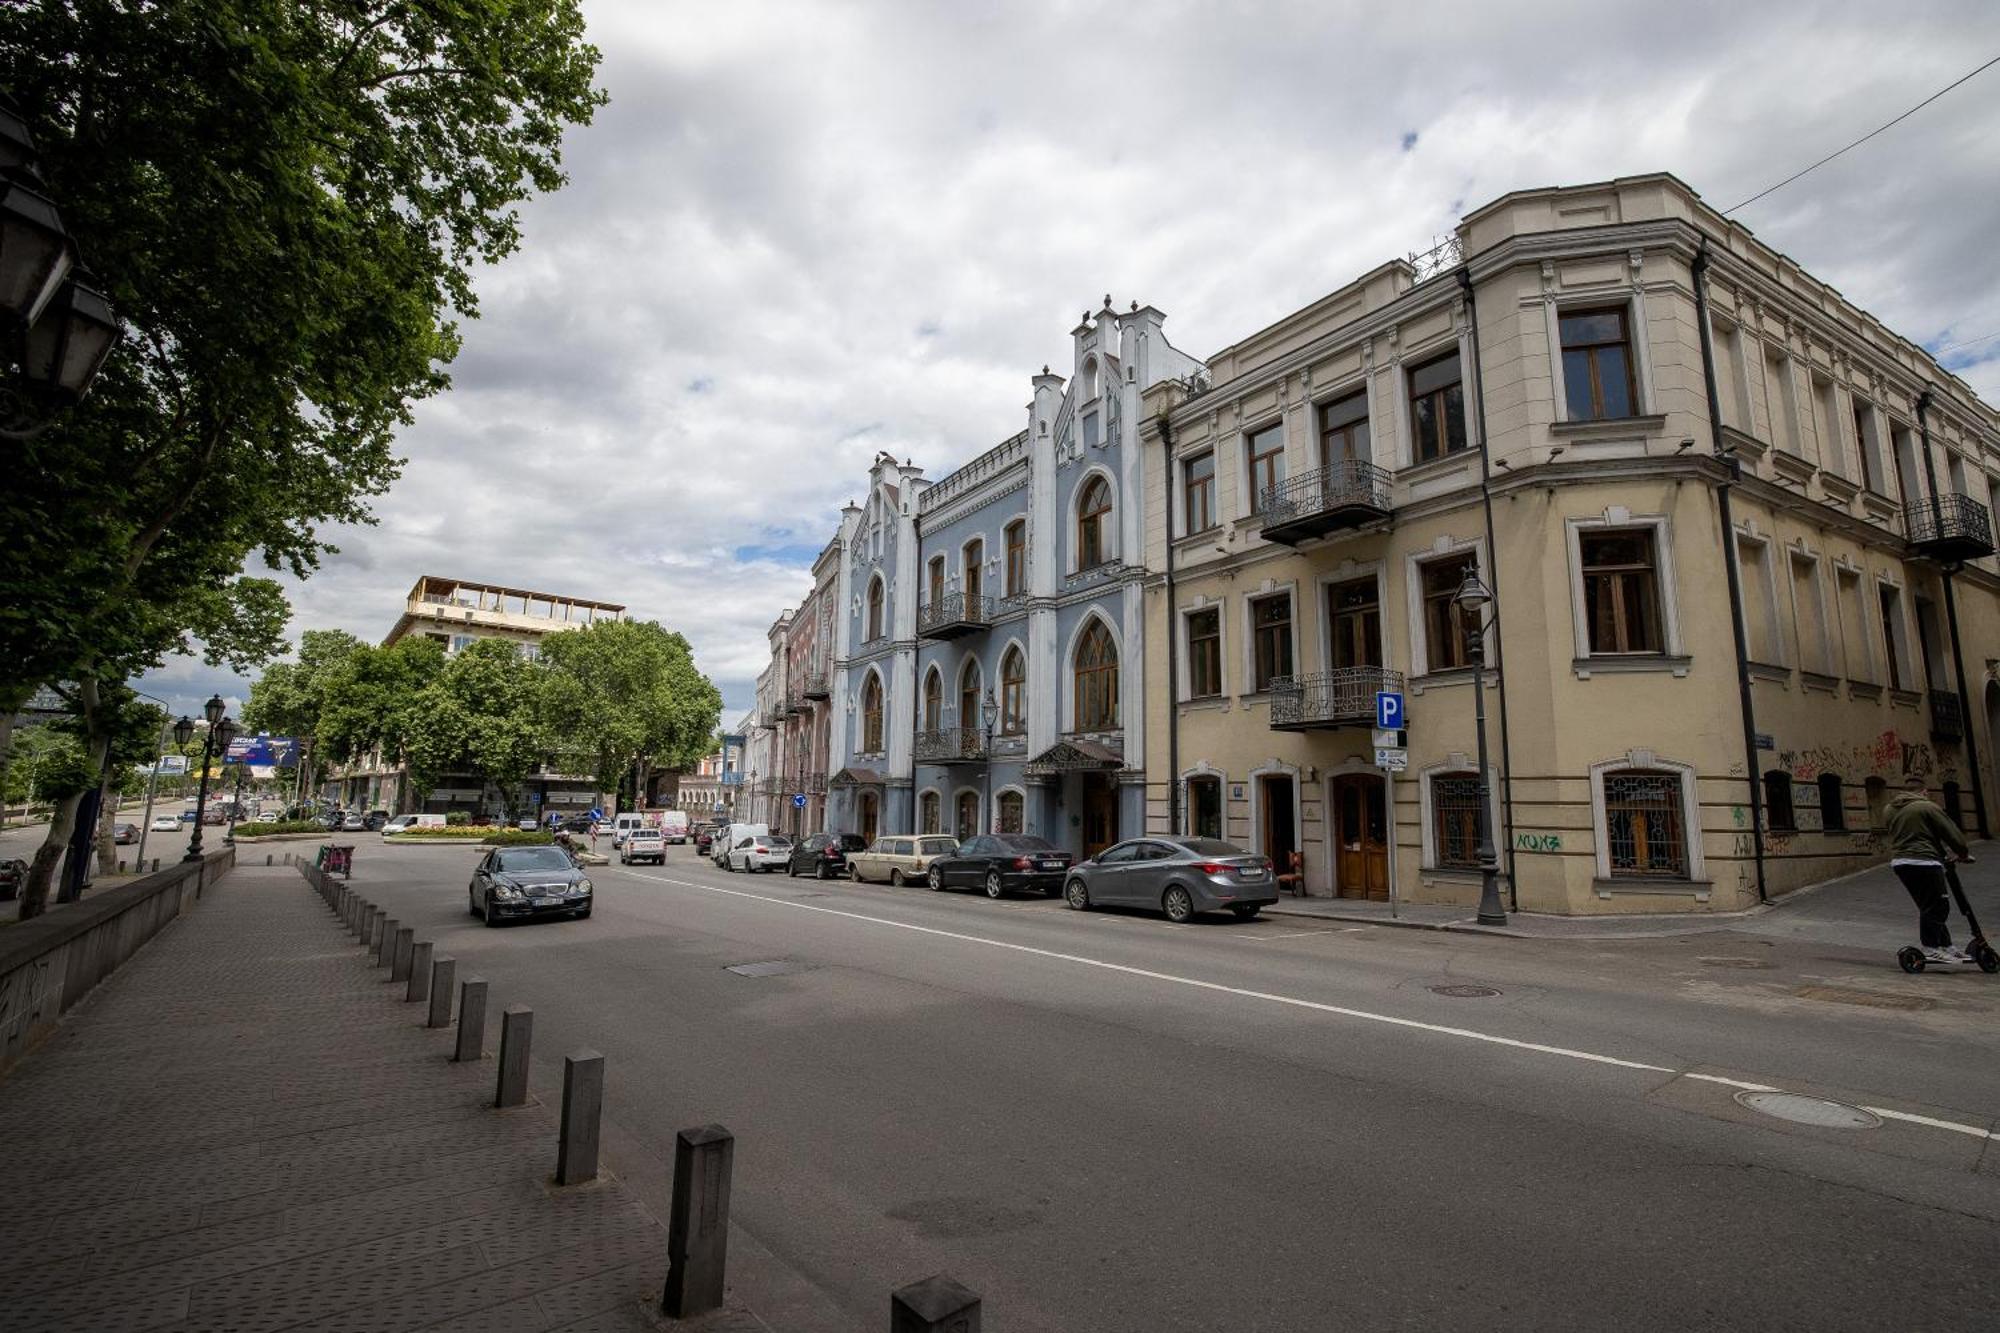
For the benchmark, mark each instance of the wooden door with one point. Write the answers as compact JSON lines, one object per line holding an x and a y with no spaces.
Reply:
{"x":870,"y":811}
{"x":1100,"y":812}
{"x":1361,"y":836}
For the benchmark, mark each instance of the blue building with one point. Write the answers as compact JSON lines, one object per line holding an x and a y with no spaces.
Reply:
{"x":989,"y":669}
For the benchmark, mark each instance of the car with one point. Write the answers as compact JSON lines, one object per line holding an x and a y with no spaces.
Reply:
{"x":375,"y":820}
{"x":13,"y":876}
{"x":899,"y":858}
{"x":729,"y":838}
{"x":674,"y":825}
{"x":761,"y":851}
{"x":1001,"y":863}
{"x":521,"y":883}
{"x":526,"y":824}
{"x":124,"y":833}
{"x":1177,"y":875}
{"x":823,"y":855}
{"x":164,"y":824}
{"x":355,"y":823}
{"x":704,"y":839}
{"x":187,"y":816}
{"x":643,"y":844}
{"x":215,"y":815}
{"x":577,"y":824}
{"x":400,"y":824}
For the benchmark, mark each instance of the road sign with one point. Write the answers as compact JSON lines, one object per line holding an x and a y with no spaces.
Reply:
{"x":1390,"y":740}
{"x":798,"y":800}
{"x":1766,"y":741}
{"x":1390,"y":759}
{"x":1388,"y":710}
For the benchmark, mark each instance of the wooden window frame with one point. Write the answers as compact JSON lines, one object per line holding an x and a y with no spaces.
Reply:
{"x":1013,"y":692}
{"x":871,"y":715}
{"x":972,"y":576}
{"x":1620,"y":630}
{"x":1265,"y":642}
{"x":1339,"y":443}
{"x":1090,"y":552}
{"x":1016,"y":536}
{"x":1204,"y":653}
{"x":1203,"y":489}
{"x":877,"y":596}
{"x":1270,"y":461}
{"x":1441,"y":614}
{"x":933,"y":713}
{"x":1439,"y":398}
{"x":1095,"y":681}
{"x":1591,"y":360}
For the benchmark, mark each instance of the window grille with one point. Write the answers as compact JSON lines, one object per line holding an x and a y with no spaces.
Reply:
{"x":1646,"y":825}
{"x":1455,"y":820}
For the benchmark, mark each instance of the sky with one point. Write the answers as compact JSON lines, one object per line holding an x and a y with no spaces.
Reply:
{"x":801,"y":234}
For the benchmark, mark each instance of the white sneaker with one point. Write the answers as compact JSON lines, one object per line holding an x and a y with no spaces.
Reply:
{"x":1946,"y":956}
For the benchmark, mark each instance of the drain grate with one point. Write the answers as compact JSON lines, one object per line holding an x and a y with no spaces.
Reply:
{"x":777,"y":967}
{"x":1814,"y":1111}
{"x":1465,"y":992}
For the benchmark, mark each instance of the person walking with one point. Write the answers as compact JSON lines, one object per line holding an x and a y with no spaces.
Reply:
{"x":1922,"y":839}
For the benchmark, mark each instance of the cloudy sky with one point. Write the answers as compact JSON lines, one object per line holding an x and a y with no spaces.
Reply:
{"x":803,"y":233}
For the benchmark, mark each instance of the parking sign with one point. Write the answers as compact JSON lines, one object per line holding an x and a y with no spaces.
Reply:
{"x":1388,"y":710}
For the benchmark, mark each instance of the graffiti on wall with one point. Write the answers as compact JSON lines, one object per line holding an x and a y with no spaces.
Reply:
{"x":1538,"y":842}
{"x":1887,"y":756}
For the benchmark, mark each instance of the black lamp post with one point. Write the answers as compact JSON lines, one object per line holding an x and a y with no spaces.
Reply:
{"x":989,"y":713}
{"x":1471,"y":599}
{"x":236,"y":803}
{"x":184,"y":730}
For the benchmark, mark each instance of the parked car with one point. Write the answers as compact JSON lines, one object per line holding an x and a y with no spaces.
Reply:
{"x":513,"y":883}
{"x":400,"y":824}
{"x":761,"y":851}
{"x":215,"y":815}
{"x":823,"y":855}
{"x":729,"y":838}
{"x":354,"y":823}
{"x":1001,"y":863}
{"x":643,"y":844}
{"x":1179,"y":876}
{"x":164,"y":824}
{"x":897,"y":859}
{"x":13,"y":875}
{"x":124,"y":833}
{"x":704,"y":839}
{"x":374,"y":820}
{"x":577,"y":824}
{"x":674,"y":825}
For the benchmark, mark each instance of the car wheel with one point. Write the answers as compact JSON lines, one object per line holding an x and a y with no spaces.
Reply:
{"x":584,"y":915}
{"x":486,"y":914}
{"x":935,"y":879}
{"x":819,"y":871}
{"x":895,"y":879}
{"x":1247,"y":912}
{"x":1077,"y":895}
{"x":472,"y":904}
{"x":994,"y":888}
{"x":791,"y":869}
{"x":1178,"y":904}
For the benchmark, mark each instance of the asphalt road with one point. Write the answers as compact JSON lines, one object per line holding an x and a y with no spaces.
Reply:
{"x":1105,"y":1122}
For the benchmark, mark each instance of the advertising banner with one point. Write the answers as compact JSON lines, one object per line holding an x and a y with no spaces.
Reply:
{"x":263,"y":751}
{"x":171,"y":765}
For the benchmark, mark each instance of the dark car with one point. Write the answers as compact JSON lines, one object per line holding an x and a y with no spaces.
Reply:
{"x":1177,"y":875}
{"x":824,"y":855}
{"x":704,"y":838}
{"x":514,"y":883}
{"x":577,"y":824}
{"x":374,"y":820}
{"x":123,"y":833}
{"x":1001,"y":863}
{"x":13,"y":875}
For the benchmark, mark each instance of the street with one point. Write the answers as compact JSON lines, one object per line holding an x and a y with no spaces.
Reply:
{"x":1103,"y":1121}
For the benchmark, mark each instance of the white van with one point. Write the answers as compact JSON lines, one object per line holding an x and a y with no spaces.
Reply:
{"x":730,"y":837}
{"x":399,"y":824}
{"x":623,"y":824}
{"x":674,"y":825}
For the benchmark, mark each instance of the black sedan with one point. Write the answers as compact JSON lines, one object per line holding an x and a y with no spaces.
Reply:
{"x":824,"y":855}
{"x":518,"y":883}
{"x":1001,"y":863}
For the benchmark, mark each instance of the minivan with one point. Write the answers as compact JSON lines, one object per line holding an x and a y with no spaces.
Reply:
{"x":624,"y":824}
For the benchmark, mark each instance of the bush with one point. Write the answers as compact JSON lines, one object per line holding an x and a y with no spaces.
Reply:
{"x":456,"y":818}
{"x":493,"y":833}
{"x":263,"y":828}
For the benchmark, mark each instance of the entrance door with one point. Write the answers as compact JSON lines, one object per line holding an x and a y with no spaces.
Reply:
{"x":1100,"y":812}
{"x":871,"y":816}
{"x":1361,"y":832}
{"x":1280,"y":829}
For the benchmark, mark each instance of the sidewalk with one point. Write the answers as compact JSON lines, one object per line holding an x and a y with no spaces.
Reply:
{"x":246,"y":1128}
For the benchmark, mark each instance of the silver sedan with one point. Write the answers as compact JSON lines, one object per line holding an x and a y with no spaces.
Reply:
{"x":1177,"y":875}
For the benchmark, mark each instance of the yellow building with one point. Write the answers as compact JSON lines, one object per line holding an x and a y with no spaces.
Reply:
{"x":1328,"y":496}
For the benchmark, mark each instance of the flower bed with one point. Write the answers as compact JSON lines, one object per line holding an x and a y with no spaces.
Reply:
{"x":490,"y":834}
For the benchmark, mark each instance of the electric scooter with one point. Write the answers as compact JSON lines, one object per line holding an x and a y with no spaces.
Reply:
{"x":1977,"y":950}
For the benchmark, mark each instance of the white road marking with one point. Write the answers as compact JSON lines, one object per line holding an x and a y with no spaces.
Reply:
{"x":1293,"y":1001}
{"x":1288,"y":935}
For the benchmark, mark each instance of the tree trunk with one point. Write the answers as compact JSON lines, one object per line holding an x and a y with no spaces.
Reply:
{"x":107,"y":819}
{"x":48,"y":857}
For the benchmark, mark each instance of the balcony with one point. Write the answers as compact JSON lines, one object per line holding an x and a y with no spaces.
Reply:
{"x":815,"y":685}
{"x":953,"y":614}
{"x":1949,"y":527}
{"x":951,"y":745}
{"x":1947,"y":716}
{"x":1343,"y":698}
{"x":1340,"y":495}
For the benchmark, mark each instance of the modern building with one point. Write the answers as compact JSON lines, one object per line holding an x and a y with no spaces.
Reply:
{"x":1714,"y":646}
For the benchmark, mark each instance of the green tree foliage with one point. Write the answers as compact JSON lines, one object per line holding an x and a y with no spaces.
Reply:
{"x":625,"y":695}
{"x":481,"y":716}
{"x":369,"y":699}
{"x":290,"y":697}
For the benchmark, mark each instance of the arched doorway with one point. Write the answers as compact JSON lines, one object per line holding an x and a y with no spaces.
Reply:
{"x":968,"y":815}
{"x":1361,"y":836}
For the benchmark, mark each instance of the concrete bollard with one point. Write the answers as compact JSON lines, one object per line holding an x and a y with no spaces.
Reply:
{"x":442,"y":970}
{"x":698,"y":1226}
{"x":517,"y":1033}
{"x":366,"y":931}
{"x":420,"y":972}
{"x":156,"y":865}
{"x":582,"y":1105}
{"x":121,"y":866}
{"x":399,"y":956}
{"x":268,"y":856}
{"x":385,"y":947}
{"x":471,"y":1020}
{"x":935,"y":1305}
{"x":374,"y":940}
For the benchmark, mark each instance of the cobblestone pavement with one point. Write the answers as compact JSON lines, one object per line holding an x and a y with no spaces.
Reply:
{"x":248,"y":1128}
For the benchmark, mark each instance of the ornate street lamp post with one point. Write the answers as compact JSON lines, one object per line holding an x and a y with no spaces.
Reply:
{"x":184,"y":732}
{"x":1471,"y":599}
{"x":989,"y":713}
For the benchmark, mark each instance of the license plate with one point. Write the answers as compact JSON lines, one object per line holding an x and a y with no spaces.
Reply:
{"x":1052,"y":865}
{"x":1250,"y":874}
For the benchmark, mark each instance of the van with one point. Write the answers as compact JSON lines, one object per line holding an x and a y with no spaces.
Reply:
{"x":621,"y":825}
{"x":730,"y":837}
{"x":674,"y":825}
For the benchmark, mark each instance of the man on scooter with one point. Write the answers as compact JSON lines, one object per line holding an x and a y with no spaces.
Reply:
{"x":1921,"y":839}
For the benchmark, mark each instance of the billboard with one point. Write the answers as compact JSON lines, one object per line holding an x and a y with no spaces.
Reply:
{"x":263,"y":751}
{"x":171,"y":765}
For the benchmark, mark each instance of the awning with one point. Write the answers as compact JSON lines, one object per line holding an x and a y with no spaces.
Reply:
{"x":857,"y":777}
{"x":1074,"y":756}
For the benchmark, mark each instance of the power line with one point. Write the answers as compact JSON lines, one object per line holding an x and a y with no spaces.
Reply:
{"x":1864,"y":138}
{"x":1969,"y":342}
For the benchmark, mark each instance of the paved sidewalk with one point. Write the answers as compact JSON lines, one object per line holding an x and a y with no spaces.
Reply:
{"x":248,"y":1129}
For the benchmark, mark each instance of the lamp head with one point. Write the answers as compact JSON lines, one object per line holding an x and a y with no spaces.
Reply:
{"x":214,"y":709}
{"x":1472,"y":595}
{"x":184,"y":731}
{"x":225,"y":732}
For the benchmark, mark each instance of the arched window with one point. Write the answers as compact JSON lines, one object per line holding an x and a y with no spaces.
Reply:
{"x":1645,"y":824}
{"x":1092,"y":509}
{"x":1010,"y":812}
{"x":968,"y":698}
{"x":1017,"y":557}
{"x":927,"y":813}
{"x":1832,"y":804}
{"x":1778,"y":802}
{"x":973,"y":558}
{"x":871,"y":715}
{"x":1088,"y":386}
{"x":875,"y":593}
{"x":1013,"y":693}
{"x":968,"y":815}
{"x":937,"y":579}
{"x":933,"y":700}
{"x":1096,"y":674}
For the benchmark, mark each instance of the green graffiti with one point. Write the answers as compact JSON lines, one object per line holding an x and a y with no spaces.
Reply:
{"x":1538,"y":842}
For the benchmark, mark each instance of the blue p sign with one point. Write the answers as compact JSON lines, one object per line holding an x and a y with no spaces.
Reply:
{"x":1388,"y":711}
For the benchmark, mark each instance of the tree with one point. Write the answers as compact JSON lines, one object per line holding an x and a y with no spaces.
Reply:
{"x":625,"y":696}
{"x":290,"y":697}
{"x":370,"y":699}
{"x":481,"y":716}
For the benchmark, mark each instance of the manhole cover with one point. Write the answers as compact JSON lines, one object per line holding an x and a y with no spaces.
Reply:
{"x":1809,"y":1110}
{"x":1465,"y":992}
{"x":1732,"y":962}
{"x":777,"y":967}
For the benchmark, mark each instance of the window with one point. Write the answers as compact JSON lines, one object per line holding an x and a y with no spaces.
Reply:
{"x":1267,"y":463}
{"x":875,"y":609}
{"x":1204,"y":807}
{"x":968,"y":815}
{"x":871,"y":715}
{"x":1760,"y":613}
{"x":1858,"y":655}
{"x":460,"y":642}
{"x":937,"y":580}
{"x":1437,"y":408}
{"x":1893,"y":637}
{"x":1013,"y":693}
{"x":969,"y":713}
{"x":1832,"y":804}
{"x":1778,"y":815}
{"x":1867,"y":446}
{"x":1597,"y":365}
{"x":975,"y":583}
{"x":1091,"y":435}
{"x":927,"y":813}
{"x":1270,"y":639}
{"x":1198,"y":488}
{"x":1354,"y":614}
{"x":1343,"y":431}
{"x":1781,"y":400}
{"x":1204,"y":631}
{"x":1096,"y":679}
{"x":1017,"y":558}
{"x":1455,"y":820}
{"x":1621,"y":590}
{"x":1010,"y":812}
{"x":1091,"y":508}
{"x":1809,"y":615}
{"x":1444,"y":626}
{"x":1826,"y":427}
{"x":933,"y":700}
{"x":1646,"y":827}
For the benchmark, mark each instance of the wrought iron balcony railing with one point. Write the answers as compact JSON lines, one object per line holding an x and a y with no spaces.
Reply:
{"x":1949,"y":527}
{"x":1947,"y":716}
{"x":949,"y":615}
{"x":814,"y":685}
{"x":1342,"y":698}
{"x":1339,"y":495}
{"x":951,"y":745}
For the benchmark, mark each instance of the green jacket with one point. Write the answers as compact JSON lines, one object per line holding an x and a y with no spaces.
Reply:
{"x":1917,"y":828}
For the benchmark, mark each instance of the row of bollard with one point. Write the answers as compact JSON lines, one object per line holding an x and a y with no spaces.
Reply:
{"x":704,"y":1156}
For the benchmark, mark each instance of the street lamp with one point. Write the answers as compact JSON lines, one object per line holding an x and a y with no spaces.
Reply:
{"x":1471,"y":599}
{"x":184,"y":731}
{"x":989,"y":713}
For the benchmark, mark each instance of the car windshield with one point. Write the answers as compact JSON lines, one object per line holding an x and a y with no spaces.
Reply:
{"x":533,"y":858}
{"x":1022,"y":842}
{"x":1210,"y":847}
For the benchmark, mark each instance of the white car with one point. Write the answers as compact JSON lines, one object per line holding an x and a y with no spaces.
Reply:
{"x":164,"y":824}
{"x":400,"y":824}
{"x":761,"y":851}
{"x":643,"y":844}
